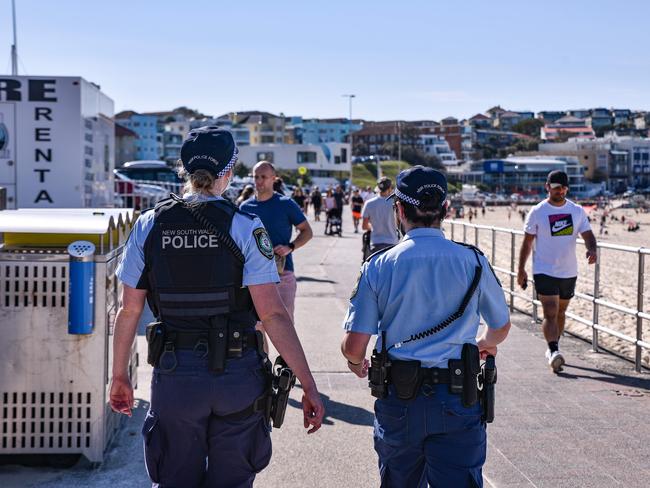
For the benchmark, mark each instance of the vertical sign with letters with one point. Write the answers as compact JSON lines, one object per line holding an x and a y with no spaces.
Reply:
{"x":48,"y":140}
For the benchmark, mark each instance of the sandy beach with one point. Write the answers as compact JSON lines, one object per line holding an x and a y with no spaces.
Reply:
{"x":618,"y":269}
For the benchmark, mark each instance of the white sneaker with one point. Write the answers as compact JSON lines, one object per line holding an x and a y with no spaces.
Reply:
{"x":555,"y":360}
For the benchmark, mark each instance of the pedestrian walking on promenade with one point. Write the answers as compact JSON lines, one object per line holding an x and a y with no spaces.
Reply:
{"x":341,"y":201}
{"x":356,"y":203}
{"x":279,"y":215}
{"x":378,"y":217}
{"x":426,"y":429}
{"x":246,"y":193}
{"x":205,"y":266}
{"x":299,"y":197}
{"x":317,"y":203}
{"x":278,"y":185}
{"x":554,"y":225}
{"x":330,"y":201}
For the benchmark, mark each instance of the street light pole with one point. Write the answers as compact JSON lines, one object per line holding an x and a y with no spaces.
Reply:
{"x":14,"y":46}
{"x":349,"y":96}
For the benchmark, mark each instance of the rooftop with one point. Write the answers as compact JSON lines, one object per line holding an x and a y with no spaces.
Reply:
{"x":121,"y":131}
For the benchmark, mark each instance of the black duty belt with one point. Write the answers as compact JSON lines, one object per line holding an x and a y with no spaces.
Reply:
{"x":435,"y":376}
{"x":192,"y":340}
{"x":408,"y":376}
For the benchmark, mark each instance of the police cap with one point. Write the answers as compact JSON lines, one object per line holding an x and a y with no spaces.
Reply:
{"x":420,"y":184}
{"x":209,"y":148}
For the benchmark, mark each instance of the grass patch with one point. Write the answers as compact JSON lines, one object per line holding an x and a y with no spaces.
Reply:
{"x":365,"y":174}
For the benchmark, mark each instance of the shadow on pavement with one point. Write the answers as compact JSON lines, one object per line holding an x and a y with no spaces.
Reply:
{"x":340,"y":411}
{"x":604,"y":376}
{"x":315,"y":280}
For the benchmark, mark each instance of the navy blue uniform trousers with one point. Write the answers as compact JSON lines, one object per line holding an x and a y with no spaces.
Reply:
{"x":431,"y":439}
{"x":188,"y":443}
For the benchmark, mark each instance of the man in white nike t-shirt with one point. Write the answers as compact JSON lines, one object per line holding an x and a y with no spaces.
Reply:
{"x":553,"y":225}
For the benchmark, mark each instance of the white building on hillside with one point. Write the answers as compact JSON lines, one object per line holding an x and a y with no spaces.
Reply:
{"x":436,"y":145}
{"x":326,"y":163}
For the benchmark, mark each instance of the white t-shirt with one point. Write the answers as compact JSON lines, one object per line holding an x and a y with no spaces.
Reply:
{"x":556,"y":230}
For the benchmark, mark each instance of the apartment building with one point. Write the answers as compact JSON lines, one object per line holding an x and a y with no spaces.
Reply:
{"x":566,"y":127}
{"x":146,"y":128}
{"x":374,"y":135}
{"x":262,"y":127}
{"x":437,"y":145}
{"x":619,"y":161}
{"x":507,"y":120}
{"x":125,"y":145}
{"x":527,"y":174}
{"x":317,"y":131}
{"x":550,"y":116}
{"x":326,"y":163}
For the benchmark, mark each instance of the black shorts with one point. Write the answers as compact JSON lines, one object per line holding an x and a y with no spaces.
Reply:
{"x":548,"y":285}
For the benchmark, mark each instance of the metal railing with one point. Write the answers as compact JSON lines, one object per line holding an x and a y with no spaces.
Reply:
{"x":460,"y":230}
{"x":142,"y":195}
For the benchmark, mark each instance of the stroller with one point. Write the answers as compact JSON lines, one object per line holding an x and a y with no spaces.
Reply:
{"x":333,"y":223}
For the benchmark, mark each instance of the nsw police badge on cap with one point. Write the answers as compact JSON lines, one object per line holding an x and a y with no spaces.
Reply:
{"x":263,"y":242}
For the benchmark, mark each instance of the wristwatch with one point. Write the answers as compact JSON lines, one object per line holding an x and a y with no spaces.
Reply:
{"x":291,"y":246}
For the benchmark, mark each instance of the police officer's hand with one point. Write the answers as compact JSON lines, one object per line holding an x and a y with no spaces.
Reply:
{"x":121,"y":395}
{"x":486,"y":349}
{"x":313,"y":410}
{"x":282,"y":250}
{"x":361,"y":369}
{"x":522,"y":279}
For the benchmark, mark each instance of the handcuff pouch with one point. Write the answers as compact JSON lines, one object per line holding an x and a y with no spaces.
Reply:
{"x":406,"y":378}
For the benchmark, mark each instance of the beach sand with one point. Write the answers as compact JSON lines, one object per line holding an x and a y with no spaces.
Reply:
{"x":618,"y":269}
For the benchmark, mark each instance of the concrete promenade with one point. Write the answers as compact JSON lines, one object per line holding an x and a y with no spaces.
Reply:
{"x":587,"y":426}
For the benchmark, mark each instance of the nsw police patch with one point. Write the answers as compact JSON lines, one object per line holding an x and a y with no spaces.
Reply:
{"x":263,"y":242}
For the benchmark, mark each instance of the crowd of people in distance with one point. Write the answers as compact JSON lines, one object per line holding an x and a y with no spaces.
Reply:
{"x":331,"y":202}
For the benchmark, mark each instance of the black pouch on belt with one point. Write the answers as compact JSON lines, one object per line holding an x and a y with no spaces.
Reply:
{"x":406,"y":377}
{"x":471,"y":368}
{"x":217,"y":344}
{"x":155,"y":333}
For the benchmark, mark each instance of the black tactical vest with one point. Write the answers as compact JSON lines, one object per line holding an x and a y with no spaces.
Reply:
{"x":190,"y":274}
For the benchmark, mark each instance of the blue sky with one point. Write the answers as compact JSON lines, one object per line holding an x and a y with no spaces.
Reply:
{"x":403,"y":59}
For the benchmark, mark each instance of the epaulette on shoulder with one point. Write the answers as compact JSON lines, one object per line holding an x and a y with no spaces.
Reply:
{"x":231,"y":208}
{"x":379,"y":252}
{"x":246,"y":214}
{"x":469,"y":246}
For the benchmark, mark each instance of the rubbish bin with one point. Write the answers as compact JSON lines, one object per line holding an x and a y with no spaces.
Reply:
{"x":54,"y":385}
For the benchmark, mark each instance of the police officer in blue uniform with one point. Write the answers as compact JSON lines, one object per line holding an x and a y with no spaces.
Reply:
{"x":424,"y":432}
{"x":207,"y":272}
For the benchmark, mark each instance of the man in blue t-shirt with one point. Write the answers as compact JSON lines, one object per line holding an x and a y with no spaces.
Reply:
{"x":279,"y":214}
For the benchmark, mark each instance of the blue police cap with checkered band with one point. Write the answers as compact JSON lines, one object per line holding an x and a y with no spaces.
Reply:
{"x":418,"y":184}
{"x":209,"y":148}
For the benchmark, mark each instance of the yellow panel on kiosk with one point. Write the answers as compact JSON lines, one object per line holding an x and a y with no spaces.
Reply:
{"x":25,"y":239}
{"x":60,"y":227}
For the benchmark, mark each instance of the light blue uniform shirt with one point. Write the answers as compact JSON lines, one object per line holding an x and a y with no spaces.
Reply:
{"x":416,"y":285}
{"x":258,"y":269}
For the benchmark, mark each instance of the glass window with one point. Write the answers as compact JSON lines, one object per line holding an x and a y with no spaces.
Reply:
{"x":265,"y":156}
{"x":306,"y":157}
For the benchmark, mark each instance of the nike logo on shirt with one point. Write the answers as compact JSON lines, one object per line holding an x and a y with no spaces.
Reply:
{"x":558,"y":226}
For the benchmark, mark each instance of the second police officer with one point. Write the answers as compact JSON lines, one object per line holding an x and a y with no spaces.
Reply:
{"x":207,"y":271}
{"x":424,"y":297}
